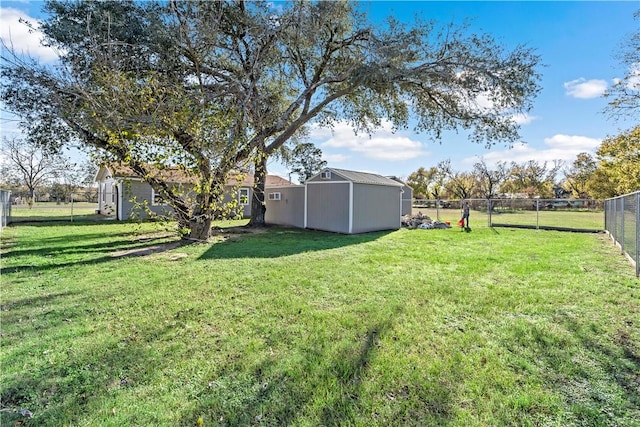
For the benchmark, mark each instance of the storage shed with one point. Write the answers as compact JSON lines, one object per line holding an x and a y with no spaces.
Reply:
{"x":285,"y":205}
{"x":350,"y":202}
{"x":407,"y":196}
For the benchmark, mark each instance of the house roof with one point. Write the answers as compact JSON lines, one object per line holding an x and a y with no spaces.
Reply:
{"x":178,"y":176}
{"x":249,"y":180}
{"x":364,"y":177}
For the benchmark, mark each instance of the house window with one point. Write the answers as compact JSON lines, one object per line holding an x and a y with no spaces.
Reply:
{"x":243,"y":196}
{"x":274,"y":196}
{"x":156,"y":199}
{"x":325,"y":175}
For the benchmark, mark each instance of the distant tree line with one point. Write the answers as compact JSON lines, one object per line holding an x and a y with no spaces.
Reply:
{"x":33,"y":174}
{"x":613,"y":171}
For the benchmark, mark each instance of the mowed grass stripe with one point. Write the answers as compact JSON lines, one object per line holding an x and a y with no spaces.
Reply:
{"x":290,"y":327}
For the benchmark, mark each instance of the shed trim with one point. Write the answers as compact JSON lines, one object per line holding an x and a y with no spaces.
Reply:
{"x":330,"y":182}
{"x":350,"y":207}
{"x":119,"y":200}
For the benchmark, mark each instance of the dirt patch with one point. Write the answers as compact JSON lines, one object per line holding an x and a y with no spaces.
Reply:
{"x":147,"y":237}
{"x":237,"y":230}
{"x":147,"y":250}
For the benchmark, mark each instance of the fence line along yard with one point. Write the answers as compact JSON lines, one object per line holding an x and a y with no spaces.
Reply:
{"x":549,"y":214}
{"x":622,"y":223}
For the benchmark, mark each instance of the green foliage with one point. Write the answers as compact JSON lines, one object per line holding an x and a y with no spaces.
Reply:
{"x":212,"y":86}
{"x":532,"y":178}
{"x":120,"y":324}
{"x":618,"y":164}
{"x":624,"y":94}
{"x":306,"y":161}
{"x":427,"y":183}
{"x":580,"y":174}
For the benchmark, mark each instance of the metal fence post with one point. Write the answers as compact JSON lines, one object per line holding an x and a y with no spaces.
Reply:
{"x":537,"y":214}
{"x":622,"y":225}
{"x":637,"y":234}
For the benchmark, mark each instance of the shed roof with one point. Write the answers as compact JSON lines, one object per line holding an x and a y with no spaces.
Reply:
{"x":364,"y":177}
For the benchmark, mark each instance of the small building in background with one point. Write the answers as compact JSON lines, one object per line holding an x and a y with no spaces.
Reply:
{"x":351,"y":202}
{"x":336,"y":200}
{"x":122,"y":195}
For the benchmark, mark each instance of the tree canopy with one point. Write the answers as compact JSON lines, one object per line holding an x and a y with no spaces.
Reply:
{"x":210,"y":87}
{"x":624,"y":95}
{"x":619,"y":164}
{"x":306,"y":160}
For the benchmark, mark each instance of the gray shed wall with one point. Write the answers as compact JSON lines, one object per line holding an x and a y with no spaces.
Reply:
{"x":334,"y":178}
{"x":233,"y":193}
{"x":289,"y":210}
{"x":140,"y":192}
{"x":375,"y":207}
{"x":407,"y":200}
{"x":328,"y":206}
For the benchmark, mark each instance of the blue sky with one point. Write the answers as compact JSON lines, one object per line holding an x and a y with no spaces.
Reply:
{"x":577,"y":41}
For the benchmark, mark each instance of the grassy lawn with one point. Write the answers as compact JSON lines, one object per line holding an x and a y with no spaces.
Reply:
{"x":581,"y":219}
{"x":50,"y":211}
{"x":118,"y":324}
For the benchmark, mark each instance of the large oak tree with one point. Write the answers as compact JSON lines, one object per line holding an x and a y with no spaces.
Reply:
{"x":211,"y":87}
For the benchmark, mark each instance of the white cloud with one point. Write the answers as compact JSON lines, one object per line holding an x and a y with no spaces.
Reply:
{"x":585,"y":89}
{"x":17,"y":36}
{"x":335,"y":158}
{"x":557,"y":147}
{"x":523,"y":119}
{"x":381,"y":145}
{"x":572,"y":142}
{"x":633,"y":78}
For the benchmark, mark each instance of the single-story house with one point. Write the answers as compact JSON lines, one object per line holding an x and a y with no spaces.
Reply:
{"x":123,"y":195}
{"x":351,"y":202}
{"x":335,"y":200}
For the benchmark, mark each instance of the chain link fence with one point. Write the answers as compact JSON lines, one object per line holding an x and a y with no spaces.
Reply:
{"x":545,"y":214}
{"x":622,"y":222}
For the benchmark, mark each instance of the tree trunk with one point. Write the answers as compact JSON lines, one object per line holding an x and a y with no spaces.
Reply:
{"x":258,"y":207}
{"x":200,"y":229}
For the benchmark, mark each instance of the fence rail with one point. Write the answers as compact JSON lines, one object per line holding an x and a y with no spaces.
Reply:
{"x":5,"y":208}
{"x":622,"y":222}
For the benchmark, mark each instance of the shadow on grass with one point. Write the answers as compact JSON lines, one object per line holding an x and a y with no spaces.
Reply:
{"x":61,"y":393}
{"x":597,"y":376}
{"x":88,"y":254}
{"x":279,"y":242}
{"x":324,"y":387}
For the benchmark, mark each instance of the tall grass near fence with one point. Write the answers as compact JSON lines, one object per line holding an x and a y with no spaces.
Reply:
{"x":119,"y":324}
{"x":622,"y":222}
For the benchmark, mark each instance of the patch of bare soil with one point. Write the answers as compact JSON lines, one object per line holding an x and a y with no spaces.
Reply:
{"x":147,"y":250}
{"x":217,"y":231}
